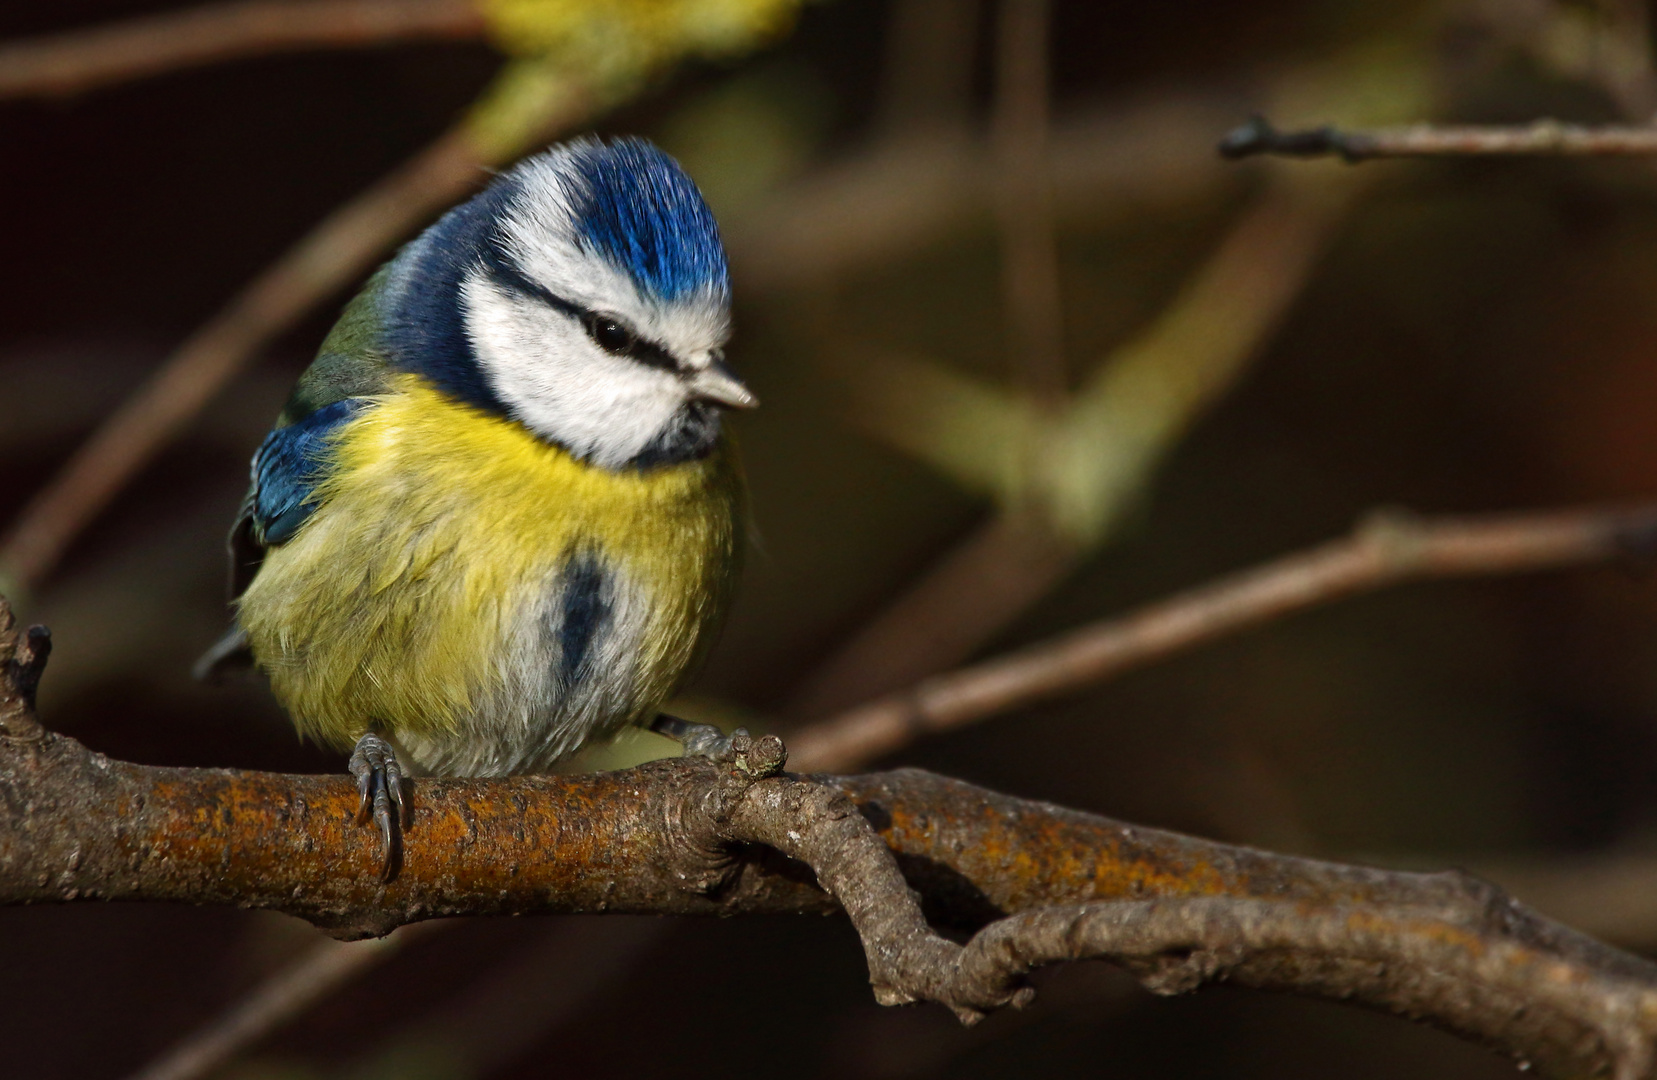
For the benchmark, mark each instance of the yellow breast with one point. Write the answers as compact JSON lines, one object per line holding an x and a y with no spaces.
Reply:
{"x":424,"y":596}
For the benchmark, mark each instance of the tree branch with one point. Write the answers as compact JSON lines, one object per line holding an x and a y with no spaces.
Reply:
{"x":1484,"y":981}
{"x":82,"y":60}
{"x":1039,"y":883}
{"x":1542,"y":137}
{"x":1385,"y":550}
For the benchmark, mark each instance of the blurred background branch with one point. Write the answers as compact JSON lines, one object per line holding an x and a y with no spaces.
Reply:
{"x":1010,"y":562}
{"x":1019,"y":121}
{"x":82,"y":60}
{"x":1548,"y":137}
{"x":1385,"y":550}
{"x":341,"y":249}
{"x":1064,"y":467}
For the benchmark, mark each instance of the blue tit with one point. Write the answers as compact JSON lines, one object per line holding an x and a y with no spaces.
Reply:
{"x":499,"y":516}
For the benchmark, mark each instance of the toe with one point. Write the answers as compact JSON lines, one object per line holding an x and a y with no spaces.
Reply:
{"x":698,"y":740}
{"x":381,"y":798}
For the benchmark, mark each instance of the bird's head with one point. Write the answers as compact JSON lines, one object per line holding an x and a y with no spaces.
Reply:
{"x":585,"y":295}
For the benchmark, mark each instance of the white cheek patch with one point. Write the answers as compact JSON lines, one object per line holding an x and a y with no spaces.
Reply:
{"x":559,"y":384}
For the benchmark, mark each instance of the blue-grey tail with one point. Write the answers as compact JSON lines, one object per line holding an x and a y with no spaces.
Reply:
{"x":230,"y":656}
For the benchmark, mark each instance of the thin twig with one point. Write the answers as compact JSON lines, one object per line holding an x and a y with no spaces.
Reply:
{"x":1386,"y":550}
{"x":1543,"y":137}
{"x":326,"y":967}
{"x":1605,"y":893}
{"x":82,"y":60}
{"x":1460,"y":972}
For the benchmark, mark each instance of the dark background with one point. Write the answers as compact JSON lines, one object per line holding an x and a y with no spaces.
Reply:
{"x":1481,"y":336}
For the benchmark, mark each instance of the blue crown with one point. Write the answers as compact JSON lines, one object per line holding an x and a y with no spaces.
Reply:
{"x":638,"y":209}
{"x":632,"y":206}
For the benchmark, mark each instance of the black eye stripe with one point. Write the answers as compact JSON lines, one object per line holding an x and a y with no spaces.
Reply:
{"x":612,"y":334}
{"x":504,"y":273}
{"x":648,"y":352}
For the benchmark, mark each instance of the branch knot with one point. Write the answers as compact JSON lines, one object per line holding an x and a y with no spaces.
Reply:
{"x":22,"y":661}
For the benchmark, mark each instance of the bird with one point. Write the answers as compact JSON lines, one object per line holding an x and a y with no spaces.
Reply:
{"x":500,"y":515}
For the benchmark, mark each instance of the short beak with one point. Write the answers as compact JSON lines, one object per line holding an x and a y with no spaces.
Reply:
{"x":715,"y":383}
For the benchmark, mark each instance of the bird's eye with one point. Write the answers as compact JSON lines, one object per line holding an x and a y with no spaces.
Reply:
{"x":611,"y":334}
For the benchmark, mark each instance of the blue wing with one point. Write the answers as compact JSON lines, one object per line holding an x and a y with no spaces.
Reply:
{"x":287,"y":468}
{"x":289,"y":465}
{"x":349,"y":370}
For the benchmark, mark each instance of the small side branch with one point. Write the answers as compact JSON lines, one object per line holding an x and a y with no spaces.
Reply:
{"x":1543,"y":138}
{"x":82,"y":60}
{"x":1470,"y":979}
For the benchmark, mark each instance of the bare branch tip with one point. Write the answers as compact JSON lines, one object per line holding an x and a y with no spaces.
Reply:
{"x":1258,"y":136}
{"x":761,"y":757}
{"x":22,"y":663}
{"x":32,"y":653}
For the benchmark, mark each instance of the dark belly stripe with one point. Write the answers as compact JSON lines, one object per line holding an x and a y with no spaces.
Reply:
{"x":586,"y":609}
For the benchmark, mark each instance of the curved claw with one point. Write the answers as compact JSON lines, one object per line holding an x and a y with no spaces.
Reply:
{"x":389,"y":835}
{"x":365,"y":791}
{"x":379,"y":784}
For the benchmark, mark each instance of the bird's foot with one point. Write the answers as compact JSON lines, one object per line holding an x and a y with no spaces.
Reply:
{"x":380,"y":785}
{"x":698,"y":740}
